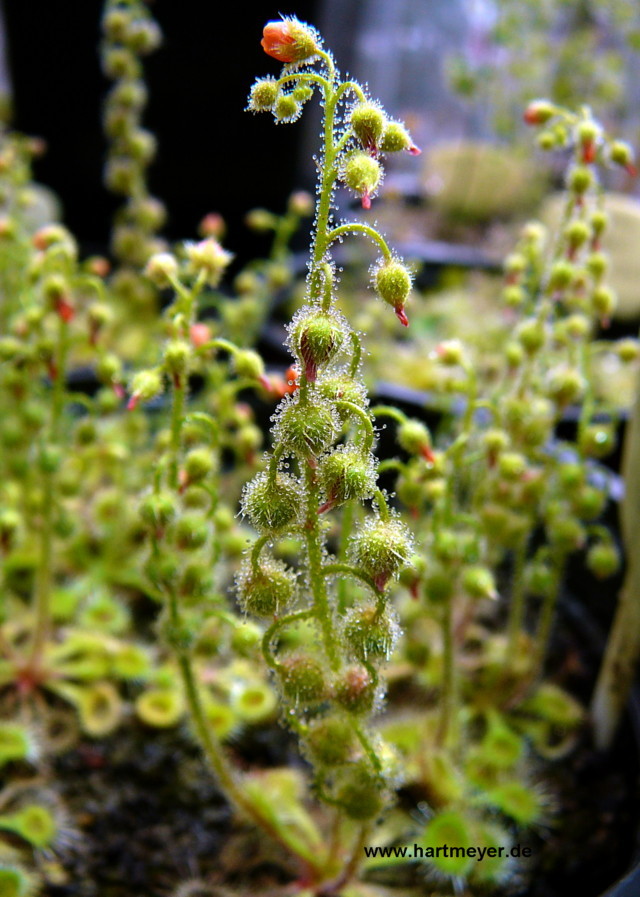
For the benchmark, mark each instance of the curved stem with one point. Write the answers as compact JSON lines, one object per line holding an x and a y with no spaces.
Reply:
{"x":357,"y":227}
{"x":330,"y":569}
{"x":364,"y":418}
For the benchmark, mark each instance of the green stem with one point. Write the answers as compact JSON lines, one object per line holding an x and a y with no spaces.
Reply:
{"x":357,"y":227}
{"x":517,"y":604}
{"x":330,"y":569}
{"x":177,"y":419}
{"x":322,"y":607}
{"x":547,"y":615}
{"x":447,"y":709}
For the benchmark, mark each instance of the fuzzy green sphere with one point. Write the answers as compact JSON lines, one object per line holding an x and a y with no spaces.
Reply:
{"x":395,"y":138}
{"x":317,"y":338}
{"x":264,"y":94}
{"x":303,"y":679}
{"x":267,"y":589}
{"x":361,"y":792}
{"x":367,"y":123}
{"x":330,"y":741}
{"x":355,"y":691}
{"x":392,"y":282}
{"x":362,"y":173}
{"x":307,"y":429}
{"x":272,"y":504}
{"x":370,"y":634}
{"x":343,"y":388}
{"x":347,"y":474}
{"x":381,"y":548}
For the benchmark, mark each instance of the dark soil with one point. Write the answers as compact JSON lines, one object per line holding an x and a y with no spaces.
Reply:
{"x":151,"y":818}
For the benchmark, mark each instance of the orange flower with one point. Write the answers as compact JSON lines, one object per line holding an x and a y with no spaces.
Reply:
{"x":289,"y":40}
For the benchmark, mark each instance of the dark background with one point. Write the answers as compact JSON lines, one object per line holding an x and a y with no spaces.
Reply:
{"x":212,"y":154}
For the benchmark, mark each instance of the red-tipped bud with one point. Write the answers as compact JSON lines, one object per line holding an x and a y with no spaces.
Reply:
{"x":199,"y":334}
{"x":289,"y":40}
{"x":539,"y":112}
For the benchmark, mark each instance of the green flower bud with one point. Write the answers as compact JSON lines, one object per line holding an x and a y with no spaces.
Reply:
{"x":306,"y":429}
{"x":248,"y":363}
{"x":362,"y":174}
{"x":158,"y":510}
{"x":603,"y":559}
{"x":565,"y":385}
{"x":604,"y":302}
{"x":589,"y":502}
{"x":145,"y":385}
{"x":478,"y":582}
{"x":381,"y":548}
{"x":190,"y":532}
{"x":161,"y":268}
{"x":367,"y":122}
{"x":576,"y":233}
{"x":316,"y":338}
{"x":361,"y":792}
{"x":342,"y":388}
{"x":621,"y":154}
{"x":530,"y":335}
{"x":50,"y":458}
{"x":267,"y":589}
{"x":540,"y":580}
{"x":346,"y":474}
{"x":627,"y":350}
{"x":286,"y":108}
{"x":597,"y":265}
{"x":392,"y":282}
{"x":355,"y":690}
{"x":302,"y":678}
{"x":415,"y":438}
{"x":566,"y":533}
{"x":560,"y":276}
{"x":513,"y":296}
{"x":330,"y":741}
{"x":370,"y":633}
{"x":396,"y":139}
{"x":272,"y":504}
{"x":196,"y":581}
{"x":198,"y":464}
{"x":264,"y":94}
{"x":597,"y":440}
{"x":177,"y":355}
{"x":580,"y":179}
{"x":512,"y":465}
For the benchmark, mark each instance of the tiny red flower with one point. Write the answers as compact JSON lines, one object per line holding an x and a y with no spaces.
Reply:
{"x":289,"y":40}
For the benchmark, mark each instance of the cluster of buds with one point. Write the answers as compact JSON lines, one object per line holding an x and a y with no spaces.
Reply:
{"x":129,"y":34}
{"x":322,"y":460}
{"x":367,"y":132}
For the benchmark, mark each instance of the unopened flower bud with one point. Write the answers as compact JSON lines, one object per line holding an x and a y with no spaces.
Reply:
{"x":300,"y":203}
{"x":367,"y":122}
{"x":538,"y":112}
{"x":307,"y":429}
{"x":392,"y":282}
{"x":361,"y":792}
{"x":580,"y":179}
{"x":370,"y":633}
{"x":362,"y":174}
{"x":266,"y":589}
{"x":145,"y":385}
{"x":316,"y":337}
{"x":286,"y":108}
{"x":264,"y":94}
{"x":302,"y":677}
{"x":330,"y":741}
{"x":415,"y":438}
{"x":191,"y":531}
{"x":355,"y":690}
{"x":290,"y":40}
{"x":346,"y":474}
{"x":161,"y":268}
{"x":158,"y":510}
{"x":396,"y":139}
{"x":478,"y":582}
{"x":209,"y":259}
{"x":381,"y":548}
{"x":177,"y":355}
{"x":603,"y":559}
{"x":272,"y":504}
